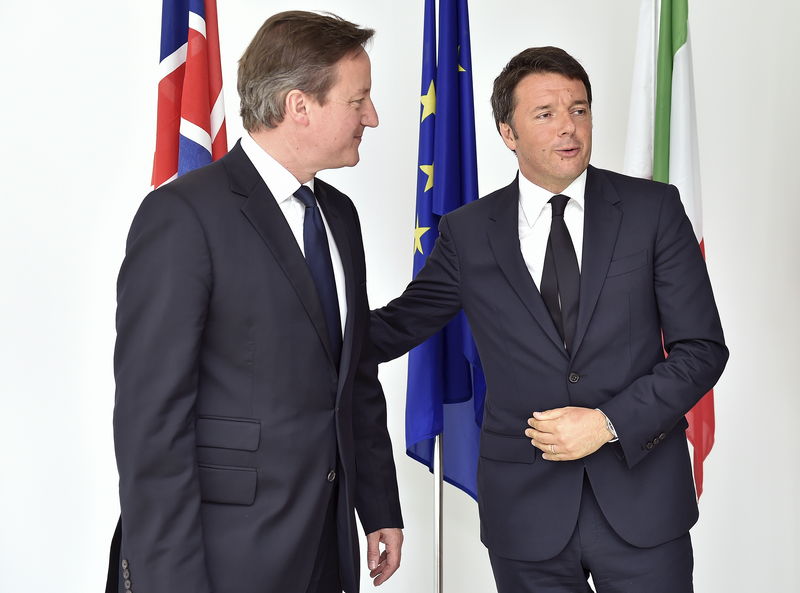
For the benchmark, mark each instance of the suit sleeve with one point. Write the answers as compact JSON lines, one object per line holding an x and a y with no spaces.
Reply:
{"x":431,"y":300}
{"x":162,"y":299}
{"x":653,"y":404}
{"x":376,"y":498}
{"x":376,"y":494}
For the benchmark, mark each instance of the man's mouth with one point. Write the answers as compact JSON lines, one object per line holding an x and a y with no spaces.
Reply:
{"x":568,"y":151}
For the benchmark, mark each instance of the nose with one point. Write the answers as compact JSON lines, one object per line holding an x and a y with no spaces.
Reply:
{"x":566,"y":126}
{"x":369,"y":118}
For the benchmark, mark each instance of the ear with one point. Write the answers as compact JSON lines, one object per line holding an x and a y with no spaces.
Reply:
{"x":296,"y":105}
{"x":508,"y":136}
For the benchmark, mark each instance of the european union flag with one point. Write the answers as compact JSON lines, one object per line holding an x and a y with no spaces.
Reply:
{"x":446,"y":387}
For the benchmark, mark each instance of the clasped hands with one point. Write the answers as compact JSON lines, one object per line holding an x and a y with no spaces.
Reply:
{"x":565,"y":434}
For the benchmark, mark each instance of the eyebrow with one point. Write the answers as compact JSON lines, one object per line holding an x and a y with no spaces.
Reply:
{"x":573,"y":104}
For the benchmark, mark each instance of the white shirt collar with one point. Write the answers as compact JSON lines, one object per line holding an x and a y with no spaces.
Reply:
{"x":533,"y":198}
{"x":279,"y":180}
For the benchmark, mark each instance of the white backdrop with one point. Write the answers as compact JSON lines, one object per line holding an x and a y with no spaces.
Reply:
{"x":79,"y":102}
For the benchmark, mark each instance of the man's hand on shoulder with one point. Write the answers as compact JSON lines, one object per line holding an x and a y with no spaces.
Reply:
{"x":383,"y":564}
{"x":564,"y":434}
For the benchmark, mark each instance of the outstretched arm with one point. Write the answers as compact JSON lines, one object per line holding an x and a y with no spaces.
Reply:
{"x":426,"y":305}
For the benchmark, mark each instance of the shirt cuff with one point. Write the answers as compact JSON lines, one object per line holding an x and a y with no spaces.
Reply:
{"x":610,"y":427}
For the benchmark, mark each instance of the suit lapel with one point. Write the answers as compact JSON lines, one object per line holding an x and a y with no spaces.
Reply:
{"x":601,"y":223}
{"x":342,"y":236}
{"x":265,"y":215}
{"x":503,"y":231}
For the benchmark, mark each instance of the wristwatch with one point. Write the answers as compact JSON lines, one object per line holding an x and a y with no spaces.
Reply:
{"x":610,"y":427}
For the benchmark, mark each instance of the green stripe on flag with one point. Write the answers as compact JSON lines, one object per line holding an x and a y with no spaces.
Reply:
{"x":672,"y":35}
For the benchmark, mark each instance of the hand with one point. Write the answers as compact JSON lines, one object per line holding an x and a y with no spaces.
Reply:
{"x":564,"y":434}
{"x":383,"y":564}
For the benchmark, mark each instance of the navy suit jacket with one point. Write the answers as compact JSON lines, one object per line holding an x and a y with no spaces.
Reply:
{"x":642,"y":274}
{"x":231,"y":416}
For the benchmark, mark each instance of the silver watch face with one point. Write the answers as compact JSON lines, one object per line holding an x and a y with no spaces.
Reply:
{"x":611,"y":428}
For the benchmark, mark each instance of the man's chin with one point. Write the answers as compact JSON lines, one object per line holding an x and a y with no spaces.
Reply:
{"x":574,"y":170}
{"x":343,"y":162}
{"x":352,"y":161}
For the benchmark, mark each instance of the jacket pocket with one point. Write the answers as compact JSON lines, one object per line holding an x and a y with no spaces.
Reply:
{"x":227,"y":484}
{"x":628,"y":263}
{"x":243,"y":434}
{"x":501,"y":447}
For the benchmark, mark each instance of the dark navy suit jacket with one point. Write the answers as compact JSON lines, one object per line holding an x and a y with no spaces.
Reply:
{"x":232,"y":422}
{"x":642,"y":274}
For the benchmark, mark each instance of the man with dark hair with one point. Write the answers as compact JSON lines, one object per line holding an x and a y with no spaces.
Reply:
{"x":569,"y":277}
{"x":248,"y":425}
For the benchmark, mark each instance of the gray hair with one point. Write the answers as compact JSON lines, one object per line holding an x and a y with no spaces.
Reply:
{"x":292,"y":50}
{"x":263,"y":101}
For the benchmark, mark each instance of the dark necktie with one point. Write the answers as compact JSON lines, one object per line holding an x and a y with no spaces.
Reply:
{"x":561,"y":276}
{"x":318,"y":258}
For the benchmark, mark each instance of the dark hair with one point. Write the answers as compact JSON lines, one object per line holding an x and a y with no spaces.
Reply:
{"x":531,"y":61}
{"x":293,"y":50}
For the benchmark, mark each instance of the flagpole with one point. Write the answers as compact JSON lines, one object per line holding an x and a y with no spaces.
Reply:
{"x":438,"y":522}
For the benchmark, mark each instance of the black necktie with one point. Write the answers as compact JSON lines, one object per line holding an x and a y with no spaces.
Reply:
{"x":561,"y":277}
{"x":318,"y":258}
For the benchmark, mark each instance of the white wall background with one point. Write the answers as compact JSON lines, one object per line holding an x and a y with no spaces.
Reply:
{"x":79,"y":95}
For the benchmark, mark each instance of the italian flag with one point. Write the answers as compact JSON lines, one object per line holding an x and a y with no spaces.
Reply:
{"x":662,"y":145}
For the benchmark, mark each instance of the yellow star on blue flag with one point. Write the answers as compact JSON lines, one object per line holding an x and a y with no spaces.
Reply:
{"x":428,"y":101}
{"x":418,"y":232}
{"x":428,"y":170}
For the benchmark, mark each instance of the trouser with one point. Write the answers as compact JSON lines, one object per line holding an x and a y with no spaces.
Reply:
{"x":594,"y":548}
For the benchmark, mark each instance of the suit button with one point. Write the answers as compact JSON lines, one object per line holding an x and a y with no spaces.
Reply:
{"x":127,"y":584}
{"x":662,"y":436}
{"x":574,"y":377}
{"x":649,"y":445}
{"x":124,"y":563}
{"x":331,"y":476}
{"x":126,"y":573}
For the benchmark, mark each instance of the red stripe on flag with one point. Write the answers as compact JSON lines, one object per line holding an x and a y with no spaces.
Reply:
{"x":701,"y":426}
{"x":168,"y":123}
{"x":220,"y":144}
{"x":701,"y":435}
{"x":212,"y":39}
{"x":196,"y":104}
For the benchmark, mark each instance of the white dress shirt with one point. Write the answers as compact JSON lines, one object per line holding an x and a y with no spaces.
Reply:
{"x":535,"y":215}
{"x":283,"y":185}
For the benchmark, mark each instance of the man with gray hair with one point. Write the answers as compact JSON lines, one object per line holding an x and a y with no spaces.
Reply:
{"x":248,"y":425}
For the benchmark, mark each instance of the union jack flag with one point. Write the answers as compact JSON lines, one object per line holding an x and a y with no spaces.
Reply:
{"x":191,"y":115}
